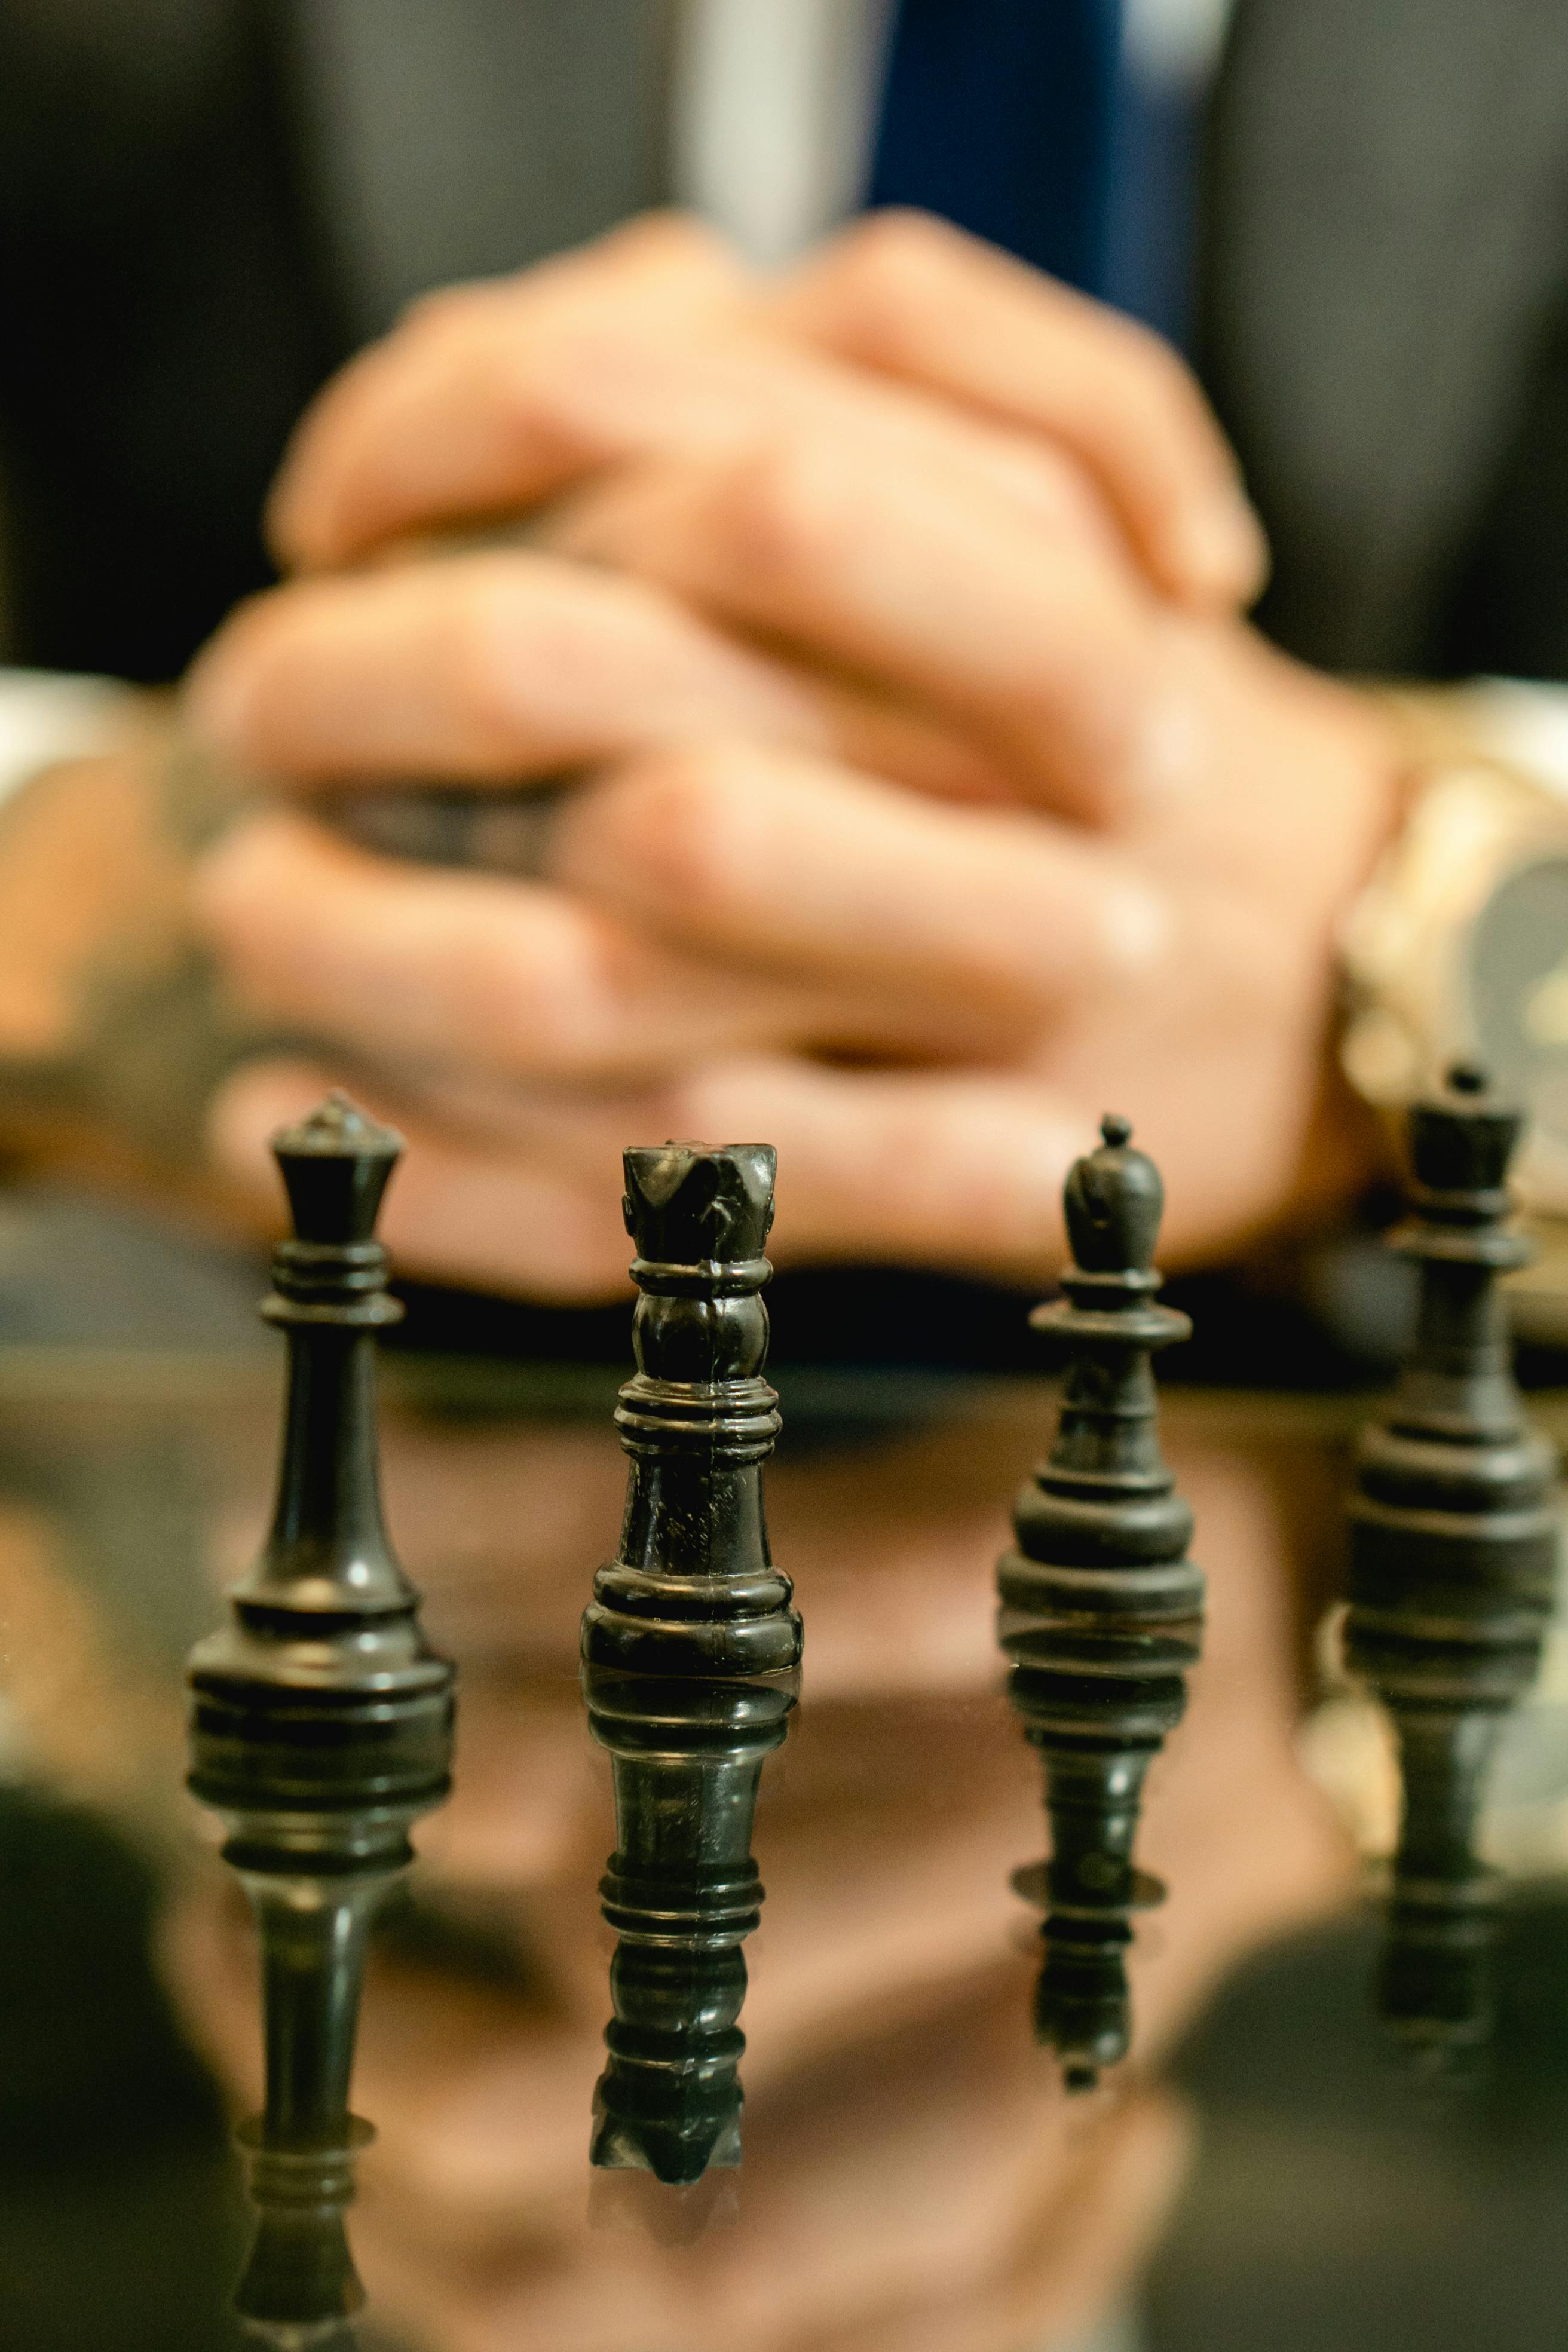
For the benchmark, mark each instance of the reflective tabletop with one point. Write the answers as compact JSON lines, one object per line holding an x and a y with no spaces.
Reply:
{"x":1261,"y":2173}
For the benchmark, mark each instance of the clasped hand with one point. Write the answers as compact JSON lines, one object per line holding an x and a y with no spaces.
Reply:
{"x":932,"y":798}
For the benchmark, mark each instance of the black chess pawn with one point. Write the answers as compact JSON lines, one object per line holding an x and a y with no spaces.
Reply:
{"x":1453,"y":1546}
{"x":691,"y":1658}
{"x":1101,"y":1609}
{"x":321,"y":1724}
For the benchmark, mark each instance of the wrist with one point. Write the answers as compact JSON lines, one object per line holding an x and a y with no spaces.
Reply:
{"x":1419,"y":944}
{"x":1456,"y":947}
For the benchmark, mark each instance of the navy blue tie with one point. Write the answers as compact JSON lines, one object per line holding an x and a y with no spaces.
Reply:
{"x":1001,"y":115}
{"x":1019,"y":120}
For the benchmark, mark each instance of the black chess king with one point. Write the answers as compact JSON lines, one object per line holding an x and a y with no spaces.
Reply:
{"x":1101,"y":1609}
{"x":321,"y":1724}
{"x":691,"y":1658}
{"x":1453,"y":1550}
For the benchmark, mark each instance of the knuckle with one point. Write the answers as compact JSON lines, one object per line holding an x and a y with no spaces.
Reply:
{"x":486,"y":621}
{"x":683,"y":825}
{"x":782,"y":517}
{"x":258,"y":969}
{"x":443,"y":307}
{"x":219,"y":702}
{"x":248,"y":970}
{"x":545,"y":391}
{"x":588,"y":1262}
{"x":522,"y":366}
{"x":699,"y":1102}
{"x":667,"y":235}
{"x":513,"y":379}
{"x":894,"y":267}
{"x":579,"y":1249}
{"x":226,"y":909}
{"x":902,"y":251}
{"x":532,"y":999}
{"x":1150,"y":375}
{"x":254,"y":617}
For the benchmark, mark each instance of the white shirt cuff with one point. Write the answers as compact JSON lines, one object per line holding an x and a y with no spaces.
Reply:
{"x":1524,"y":724}
{"x":47,"y":716}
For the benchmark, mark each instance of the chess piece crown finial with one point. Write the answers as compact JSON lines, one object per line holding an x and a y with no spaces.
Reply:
{"x":335,"y":1166}
{"x":1114,"y":1200}
{"x":688,"y":1205}
{"x":1462,"y":1138}
{"x":698,"y":1216}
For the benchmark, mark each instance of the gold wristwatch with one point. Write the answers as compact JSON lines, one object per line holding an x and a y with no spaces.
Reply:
{"x":1459,"y":945}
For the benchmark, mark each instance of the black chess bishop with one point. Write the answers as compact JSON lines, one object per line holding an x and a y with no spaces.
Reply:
{"x":1453,"y":1551}
{"x":691,"y":1659}
{"x":1101,"y":1610}
{"x":320,"y":1726}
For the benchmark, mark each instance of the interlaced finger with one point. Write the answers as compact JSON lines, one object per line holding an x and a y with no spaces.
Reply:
{"x":488,"y":404}
{"x":1052,"y":658}
{"x":910,"y":296}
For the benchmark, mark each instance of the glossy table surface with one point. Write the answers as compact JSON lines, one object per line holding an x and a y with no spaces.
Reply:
{"x":913,"y":2175}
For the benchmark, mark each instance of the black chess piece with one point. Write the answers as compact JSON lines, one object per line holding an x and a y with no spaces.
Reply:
{"x":1101,"y":1609}
{"x":1453,"y":1546}
{"x":691,"y":1659}
{"x":321,"y":1724}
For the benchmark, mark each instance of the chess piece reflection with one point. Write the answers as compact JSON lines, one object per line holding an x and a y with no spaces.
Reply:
{"x":1101,"y":1610}
{"x":691,"y":1659}
{"x":321,"y":1724}
{"x":1453,"y":1545}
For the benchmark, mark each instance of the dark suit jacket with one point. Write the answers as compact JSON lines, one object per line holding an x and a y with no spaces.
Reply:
{"x":205,"y":203}
{"x":204,"y":206}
